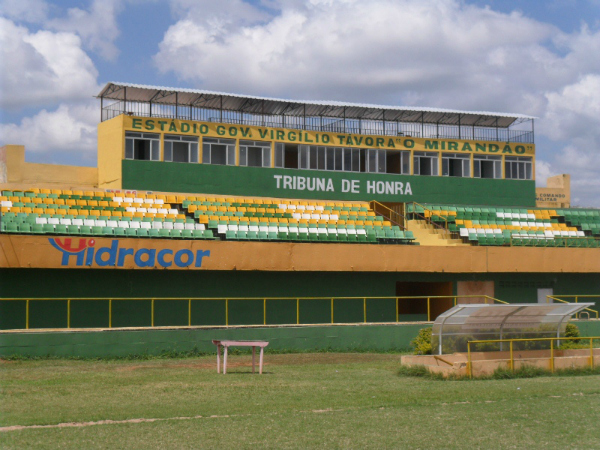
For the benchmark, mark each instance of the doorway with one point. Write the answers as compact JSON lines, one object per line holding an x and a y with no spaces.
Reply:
{"x":413,"y":307}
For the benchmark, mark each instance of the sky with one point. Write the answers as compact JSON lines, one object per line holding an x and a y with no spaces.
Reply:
{"x":533,"y":57}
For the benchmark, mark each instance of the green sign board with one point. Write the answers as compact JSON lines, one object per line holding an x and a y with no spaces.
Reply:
{"x":322,"y":185}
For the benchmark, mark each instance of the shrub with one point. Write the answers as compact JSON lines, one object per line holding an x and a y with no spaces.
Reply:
{"x":422,"y":343}
{"x":572,"y":331}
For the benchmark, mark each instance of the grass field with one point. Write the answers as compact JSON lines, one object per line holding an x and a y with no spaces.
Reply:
{"x":302,"y":401}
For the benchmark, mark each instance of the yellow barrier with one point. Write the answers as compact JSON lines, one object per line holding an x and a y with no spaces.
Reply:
{"x":485,"y":298}
{"x":512,"y":359}
{"x":576,"y":297}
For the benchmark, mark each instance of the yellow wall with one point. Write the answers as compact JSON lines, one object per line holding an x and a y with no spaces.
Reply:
{"x":111,"y":150}
{"x":557,"y":194}
{"x":17,"y":173}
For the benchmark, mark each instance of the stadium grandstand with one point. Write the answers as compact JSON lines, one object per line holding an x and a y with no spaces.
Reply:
{"x":212,"y":209}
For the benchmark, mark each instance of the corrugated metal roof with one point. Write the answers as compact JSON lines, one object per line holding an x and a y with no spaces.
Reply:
{"x":273,"y":106}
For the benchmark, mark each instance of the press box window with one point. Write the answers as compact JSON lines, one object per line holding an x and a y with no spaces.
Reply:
{"x":425,"y":163}
{"x":518,"y":168}
{"x":487,"y":166}
{"x":218,"y":151}
{"x":255,"y":154}
{"x":181,"y":148}
{"x":454,"y":165}
{"x":142,"y":146}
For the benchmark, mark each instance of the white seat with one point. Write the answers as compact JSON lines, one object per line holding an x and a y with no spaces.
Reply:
{"x":531,"y":216}
{"x":342,"y":231}
{"x":159,"y":201}
{"x":137,"y":225}
{"x":322,"y":230}
{"x":313,"y":230}
{"x":41,"y":220}
{"x":310,"y":208}
{"x":141,"y":210}
{"x":350,"y":231}
{"x":464,"y":232}
{"x":124,"y":224}
{"x":253,"y":228}
{"x":549,"y":234}
{"x":6,"y":203}
{"x":78,"y":222}
{"x":232,"y":227}
{"x":302,"y":230}
{"x":243,"y":228}
{"x":168,"y":225}
{"x":179,"y":226}
{"x":306,"y":216}
{"x":189,"y":226}
{"x":149,"y":201}
{"x":100,"y":223}
{"x":199,"y":226}
{"x":173,"y":211}
{"x":301,"y":207}
{"x":500,"y":214}
{"x":489,"y":231}
{"x":293,"y":229}
{"x":130,"y":209}
{"x":319,"y":208}
{"x":564,"y":233}
{"x":282,"y":206}
{"x":580,"y":233}
{"x":361,"y":231}
{"x":263,"y":228}
{"x":156,"y":225}
{"x":143,"y":225}
{"x":138,"y":200}
{"x":153,"y":210}
{"x":53,"y":221}
{"x":118,"y":199}
{"x":112,"y":223}
{"x":222,"y":229}
{"x":333,"y":217}
{"x":273,"y":229}
{"x":282,"y":229}
{"x":89,"y":222}
{"x":163,"y":211}
{"x":297,"y":216}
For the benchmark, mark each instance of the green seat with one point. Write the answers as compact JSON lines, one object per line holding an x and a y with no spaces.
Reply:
{"x":263,"y":235}
{"x":108,"y":231}
{"x":231,"y":235}
{"x":208,"y":234}
{"x":37,"y":228}
{"x":163,"y":232}
{"x":175,"y":234}
{"x":60,"y":229}
{"x":153,"y":233}
{"x":197,"y":234}
{"x":12,"y":227}
{"x":273,"y":236}
{"x":131,"y":232}
{"x":73,"y":229}
{"x":85,"y":230}
{"x":252,"y":235}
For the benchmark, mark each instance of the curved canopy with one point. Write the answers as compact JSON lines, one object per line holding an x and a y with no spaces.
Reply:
{"x":469,"y":322}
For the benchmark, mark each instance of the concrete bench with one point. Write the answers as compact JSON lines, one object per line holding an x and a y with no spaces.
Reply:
{"x":227,"y":344}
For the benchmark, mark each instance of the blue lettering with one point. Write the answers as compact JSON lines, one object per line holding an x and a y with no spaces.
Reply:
{"x":201,"y":254}
{"x":150,"y":257}
{"x":179,"y":255}
{"x":161,"y":257}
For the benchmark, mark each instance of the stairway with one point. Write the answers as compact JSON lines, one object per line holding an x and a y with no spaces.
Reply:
{"x":427,"y":234}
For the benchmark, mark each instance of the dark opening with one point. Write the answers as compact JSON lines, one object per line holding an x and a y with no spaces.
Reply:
{"x":456,"y":166}
{"x":487,"y":169}
{"x":141,"y":149}
{"x":181,"y":152}
{"x":424,"y":166}
{"x":394,"y":162}
{"x":290,"y":156}
{"x":412,"y":308}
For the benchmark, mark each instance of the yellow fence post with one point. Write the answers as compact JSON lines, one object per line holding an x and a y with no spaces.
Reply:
{"x":27,"y":314}
{"x":297,"y":311}
{"x":69,"y":313}
{"x":469,"y":363}
{"x":397,"y":309}
{"x":455,"y":300}
{"x":110,"y":313}
{"x":428,"y":310}
{"x":331,"y":309}
{"x":264,"y":311}
{"x":365,"y":309}
{"x":552,"y":356}
{"x":512,"y":361}
{"x":226,"y":312}
{"x":152,"y":314}
{"x":189,"y":312}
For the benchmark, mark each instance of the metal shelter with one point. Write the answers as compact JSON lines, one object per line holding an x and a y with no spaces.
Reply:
{"x":468,"y":322}
{"x":195,"y":104}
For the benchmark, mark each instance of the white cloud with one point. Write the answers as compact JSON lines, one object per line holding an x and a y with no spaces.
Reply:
{"x":42,"y":68}
{"x":97,"y":26}
{"x":33,"y":11}
{"x":543,"y":170}
{"x":65,"y":135}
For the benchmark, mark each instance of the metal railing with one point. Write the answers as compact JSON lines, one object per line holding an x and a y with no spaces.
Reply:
{"x":389,"y":214}
{"x":227,"y":300}
{"x":318,"y":123}
{"x":511,"y":351}
{"x":576,"y":297}
{"x":426,"y":216}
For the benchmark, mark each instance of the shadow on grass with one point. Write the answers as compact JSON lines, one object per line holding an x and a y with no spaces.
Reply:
{"x":499,"y":374}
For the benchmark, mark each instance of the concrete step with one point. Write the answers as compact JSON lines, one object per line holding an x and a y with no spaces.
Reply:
{"x":427,"y":234}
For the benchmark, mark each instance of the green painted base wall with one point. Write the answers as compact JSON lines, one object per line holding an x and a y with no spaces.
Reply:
{"x":254,"y":181}
{"x":155,"y":342}
{"x":119,"y":343}
{"x":77,"y":283}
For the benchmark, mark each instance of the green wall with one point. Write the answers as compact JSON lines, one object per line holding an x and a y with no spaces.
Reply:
{"x":254,"y":181}
{"x":74,"y":283}
{"x":154,"y":342}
